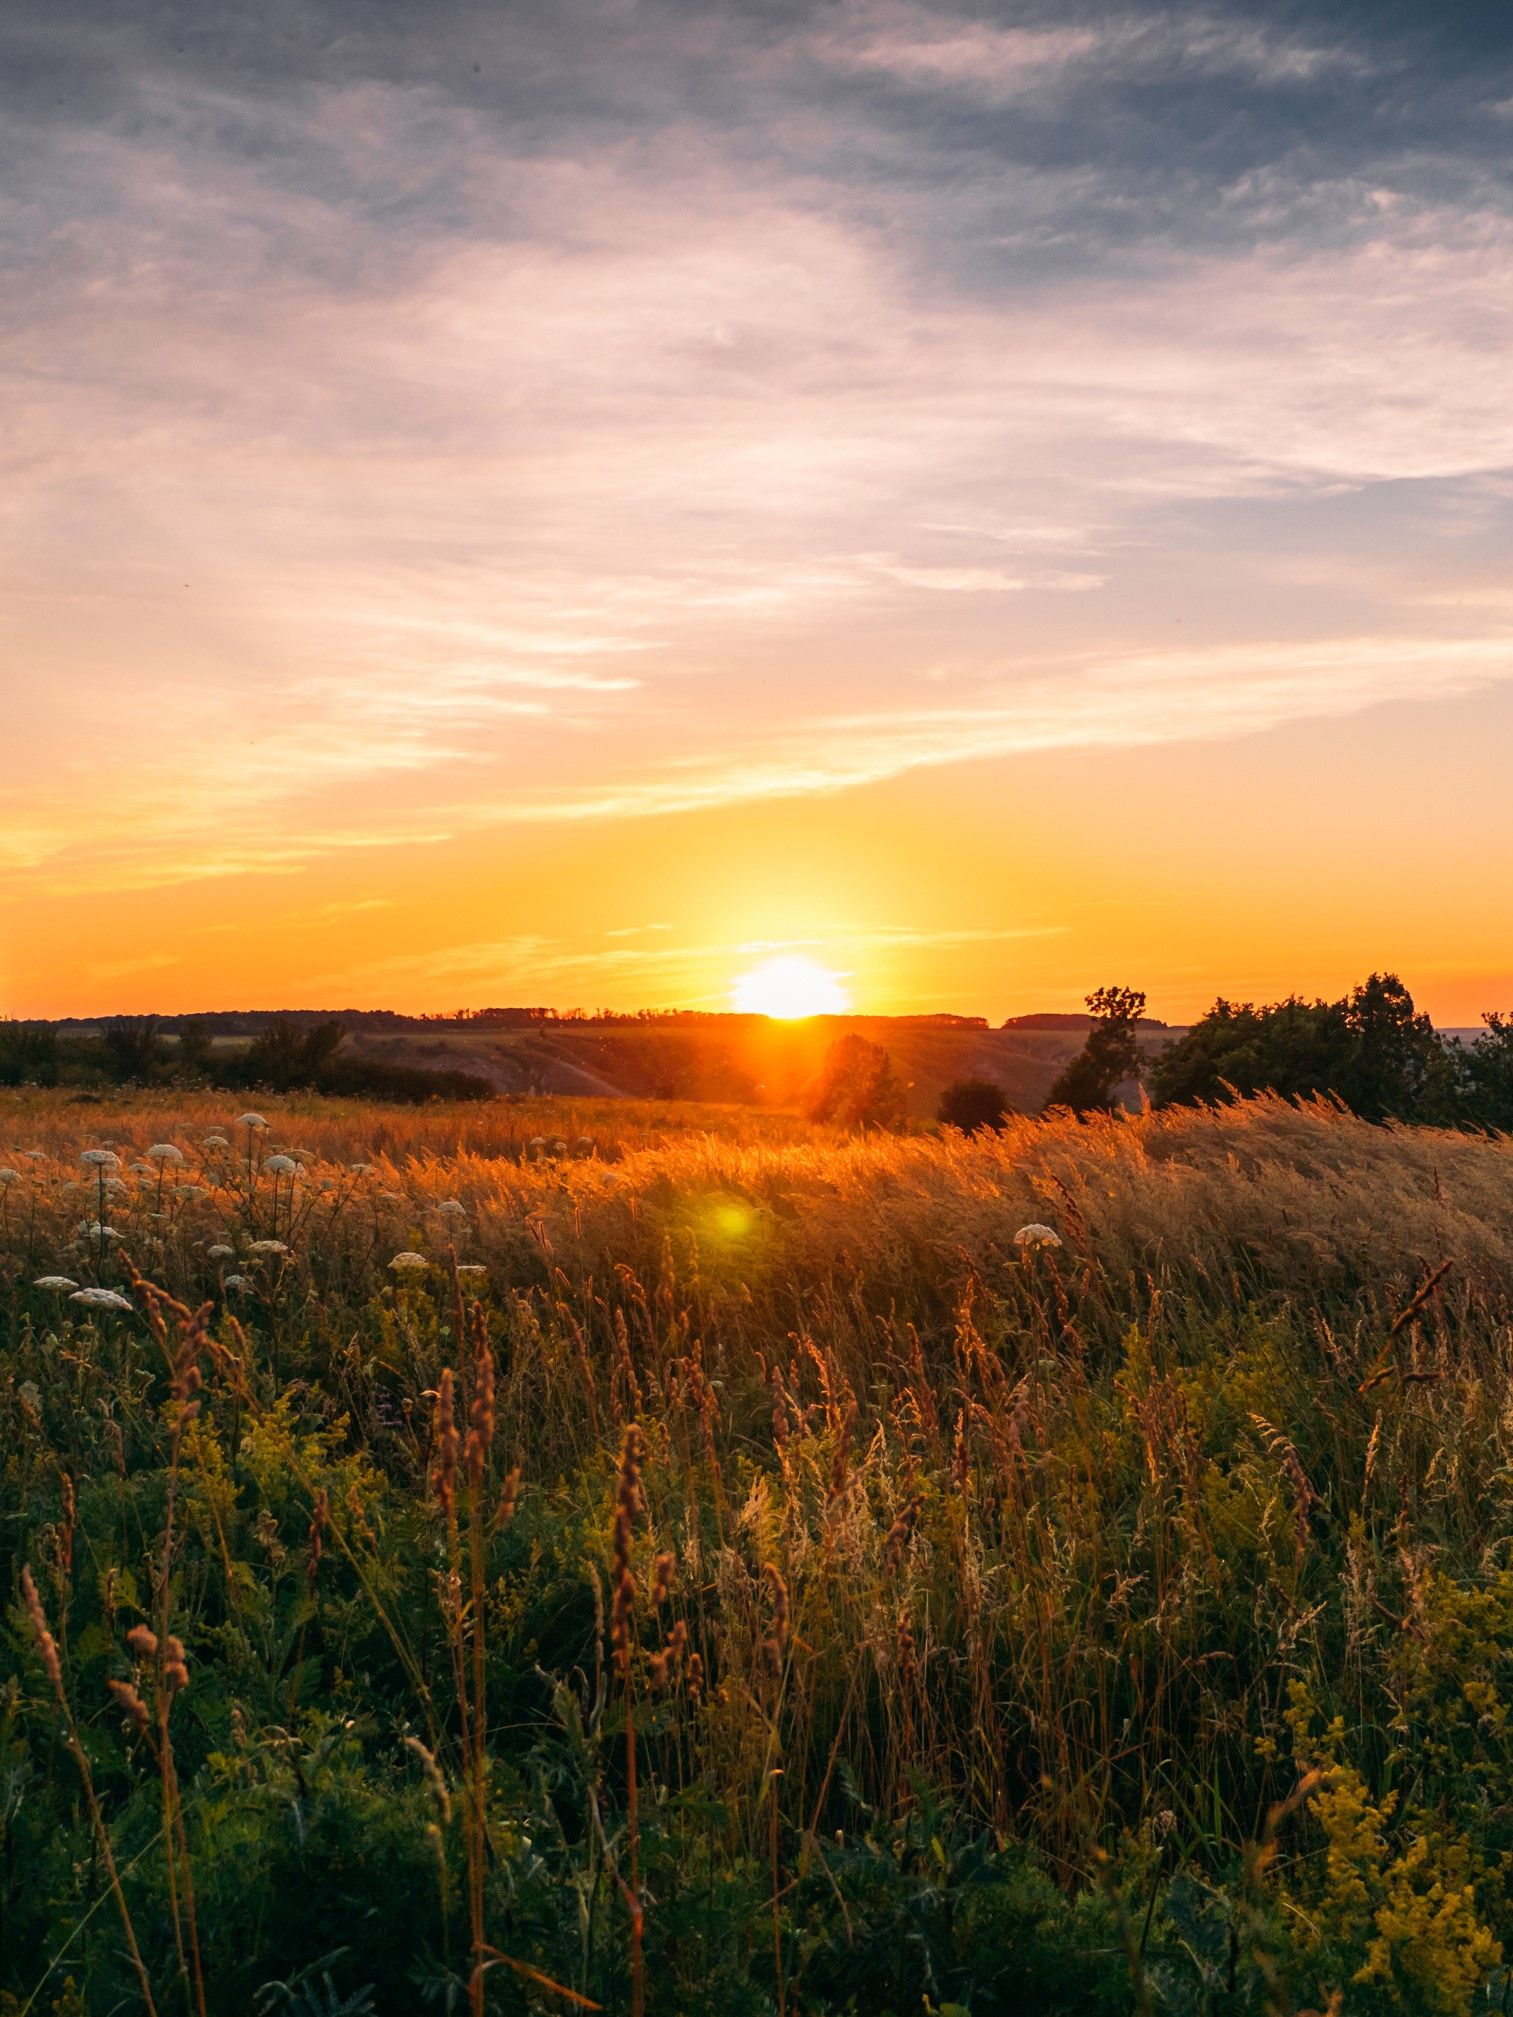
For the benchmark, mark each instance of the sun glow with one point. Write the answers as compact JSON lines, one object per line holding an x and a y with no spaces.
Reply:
{"x":789,"y":986}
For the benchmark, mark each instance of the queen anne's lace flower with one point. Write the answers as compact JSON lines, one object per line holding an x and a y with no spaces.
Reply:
{"x":267,"y":1247}
{"x":165,"y":1152}
{"x":215,"y":1142}
{"x":55,"y":1282}
{"x":250,"y":1121}
{"x":220,"y":1252}
{"x":451,"y":1209}
{"x":280,"y":1166}
{"x":101,"y":1159}
{"x":1037,"y":1236}
{"x":409,"y":1263}
{"x":100,"y":1299}
{"x":235,"y":1281}
{"x":9,"y":1176}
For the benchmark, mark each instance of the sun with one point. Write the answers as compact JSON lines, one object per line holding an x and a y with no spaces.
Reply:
{"x":789,"y":986}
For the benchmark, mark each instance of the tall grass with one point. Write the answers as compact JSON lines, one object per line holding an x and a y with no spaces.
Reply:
{"x":725,"y":1570}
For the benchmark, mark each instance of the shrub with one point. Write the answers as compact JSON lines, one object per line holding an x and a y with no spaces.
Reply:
{"x":972,"y":1105}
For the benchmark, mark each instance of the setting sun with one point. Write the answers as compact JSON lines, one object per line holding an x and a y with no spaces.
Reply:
{"x":790,"y":986}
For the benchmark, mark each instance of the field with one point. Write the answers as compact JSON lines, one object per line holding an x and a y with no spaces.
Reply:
{"x":733,"y":1058}
{"x":754,"y":1578}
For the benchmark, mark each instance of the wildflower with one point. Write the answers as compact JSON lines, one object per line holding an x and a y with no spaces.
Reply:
{"x":220,"y":1251}
{"x":584,"y":1145}
{"x":35,"y":1155}
{"x":101,"y":1159}
{"x":215,"y":1142}
{"x":1037,"y":1236}
{"x":471,"y":1268}
{"x":253,"y":1121}
{"x":100,"y":1299}
{"x":54,"y":1282}
{"x":9,"y":1176}
{"x":235,"y":1282}
{"x":114,"y":1187}
{"x":93,"y":1229}
{"x":361,"y":1169}
{"x":267,"y":1247}
{"x":142,"y":1641}
{"x":409,"y":1263}
{"x":451,"y":1209}
{"x":189,"y":1190}
{"x":280,"y":1165}
{"x":164,"y":1152}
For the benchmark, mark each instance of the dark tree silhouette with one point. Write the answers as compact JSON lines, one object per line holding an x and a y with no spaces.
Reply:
{"x":1090,"y":1083}
{"x":972,"y":1105}
{"x":857,"y":1087}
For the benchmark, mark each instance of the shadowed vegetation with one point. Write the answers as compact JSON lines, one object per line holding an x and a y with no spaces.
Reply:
{"x":752,"y":1579}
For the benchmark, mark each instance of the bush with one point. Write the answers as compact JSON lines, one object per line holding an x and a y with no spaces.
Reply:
{"x":972,"y":1105}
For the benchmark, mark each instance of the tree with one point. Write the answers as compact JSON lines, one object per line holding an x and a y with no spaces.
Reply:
{"x":1371,"y":1049}
{"x":1111,"y":1054}
{"x":972,"y":1105}
{"x":132,"y":1047}
{"x":1487,"y":1075}
{"x":28,"y":1054}
{"x":857,"y":1087}
{"x":286,"y":1053}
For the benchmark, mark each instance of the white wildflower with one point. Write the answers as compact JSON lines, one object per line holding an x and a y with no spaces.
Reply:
{"x":9,"y":1176}
{"x":215,"y":1142}
{"x":471,"y":1268}
{"x":100,"y":1299}
{"x":451,"y":1209}
{"x":409,"y":1263}
{"x":54,"y":1282}
{"x":1037,"y":1236}
{"x":235,"y":1282}
{"x":164,"y":1152}
{"x":280,"y":1166}
{"x":101,"y":1159}
{"x":267,"y":1247}
{"x":220,"y":1251}
{"x":250,"y":1121}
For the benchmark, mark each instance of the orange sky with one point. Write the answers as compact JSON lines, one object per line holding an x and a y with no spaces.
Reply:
{"x":496,"y":515}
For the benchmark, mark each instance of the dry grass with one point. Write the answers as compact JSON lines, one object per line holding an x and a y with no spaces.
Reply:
{"x":1101,"y":1544}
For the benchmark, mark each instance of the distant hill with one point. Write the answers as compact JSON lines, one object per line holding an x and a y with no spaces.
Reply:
{"x":744,"y":1059}
{"x":722,"y":1058}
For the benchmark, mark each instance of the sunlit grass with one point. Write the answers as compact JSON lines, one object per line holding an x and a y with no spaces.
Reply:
{"x":774,"y":1569}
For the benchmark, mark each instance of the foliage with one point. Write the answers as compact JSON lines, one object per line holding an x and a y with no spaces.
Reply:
{"x":132,"y":1048}
{"x":755,"y":1582}
{"x":1371,"y":1049}
{"x":28,"y":1054}
{"x":971,"y":1105}
{"x":857,"y":1086}
{"x":1109,"y":1057}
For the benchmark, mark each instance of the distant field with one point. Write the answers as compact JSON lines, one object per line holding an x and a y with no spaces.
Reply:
{"x":771,"y":1064}
{"x":1057,"y":1572}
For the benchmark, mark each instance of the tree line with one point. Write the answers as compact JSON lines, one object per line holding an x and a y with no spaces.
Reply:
{"x":1371,"y":1050}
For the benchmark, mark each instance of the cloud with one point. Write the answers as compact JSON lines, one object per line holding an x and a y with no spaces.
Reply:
{"x":397,"y":450}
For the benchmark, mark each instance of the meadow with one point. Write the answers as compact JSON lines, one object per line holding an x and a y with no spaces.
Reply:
{"x":545,"y":1556}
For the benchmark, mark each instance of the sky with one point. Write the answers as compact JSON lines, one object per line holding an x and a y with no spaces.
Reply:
{"x":558,"y":502}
